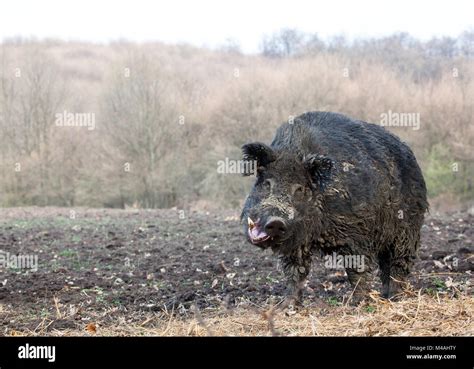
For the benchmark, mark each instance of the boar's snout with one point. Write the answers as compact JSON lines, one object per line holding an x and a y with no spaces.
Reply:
{"x":265,"y":232}
{"x":275,"y":227}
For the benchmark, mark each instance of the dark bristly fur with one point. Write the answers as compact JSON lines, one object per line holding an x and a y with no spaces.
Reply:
{"x":341,"y":185}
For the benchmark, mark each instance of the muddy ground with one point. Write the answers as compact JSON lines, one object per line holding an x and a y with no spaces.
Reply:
{"x":108,"y":262}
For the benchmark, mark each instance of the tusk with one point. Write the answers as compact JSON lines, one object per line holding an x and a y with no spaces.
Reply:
{"x":251,"y":223}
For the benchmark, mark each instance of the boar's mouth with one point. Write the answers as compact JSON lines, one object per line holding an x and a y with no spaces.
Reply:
{"x":256,"y":235}
{"x":259,"y":236}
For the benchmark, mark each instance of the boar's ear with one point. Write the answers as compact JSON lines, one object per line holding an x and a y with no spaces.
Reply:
{"x":259,"y":152}
{"x":319,"y":168}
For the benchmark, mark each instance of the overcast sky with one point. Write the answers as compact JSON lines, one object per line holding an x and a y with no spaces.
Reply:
{"x":211,"y":22}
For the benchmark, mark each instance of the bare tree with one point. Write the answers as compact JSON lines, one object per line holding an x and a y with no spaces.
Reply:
{"x":142,"y":121}
{"x":466,"y":41}
{"x":285,"y":43}
{"x":31,"y":95}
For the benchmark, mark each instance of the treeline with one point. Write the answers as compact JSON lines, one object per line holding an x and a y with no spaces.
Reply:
{"x":292,"y":43}
{"x":144,"y":125}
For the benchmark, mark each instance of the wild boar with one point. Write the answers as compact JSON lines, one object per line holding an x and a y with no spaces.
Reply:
{"x":329,"y":183}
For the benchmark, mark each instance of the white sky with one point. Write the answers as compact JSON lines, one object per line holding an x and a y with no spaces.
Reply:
{"x":211,"y":22}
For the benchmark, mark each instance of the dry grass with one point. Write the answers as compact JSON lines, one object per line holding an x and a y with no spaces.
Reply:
{"x":415,"y":315}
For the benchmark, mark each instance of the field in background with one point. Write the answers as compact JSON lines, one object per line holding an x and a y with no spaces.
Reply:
{"x":165,"y":272}
{"x":160,"y":117}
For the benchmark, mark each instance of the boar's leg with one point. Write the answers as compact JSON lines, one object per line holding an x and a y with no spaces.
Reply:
{"x":296,"y":269}
{"x":384,"y":266}
{"x":399,"y":270}
{"x":394,"y":269}
{"x":359,"y":280}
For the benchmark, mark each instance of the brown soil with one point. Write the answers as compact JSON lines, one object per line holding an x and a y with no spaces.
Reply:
{"x":128,"y":267}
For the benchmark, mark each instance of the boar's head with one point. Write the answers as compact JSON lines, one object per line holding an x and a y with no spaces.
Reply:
{"x":282,"y":210}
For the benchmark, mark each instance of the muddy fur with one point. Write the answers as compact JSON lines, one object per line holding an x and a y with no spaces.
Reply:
{"x":341,"y":185}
